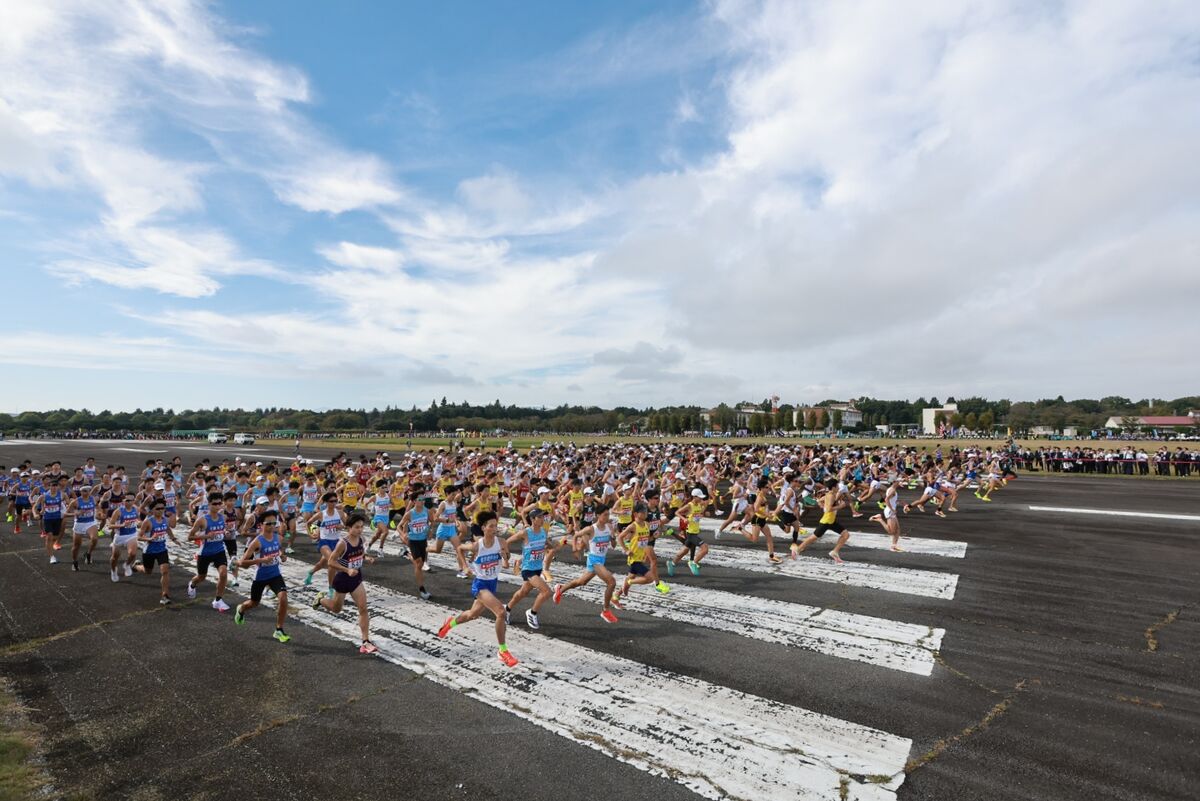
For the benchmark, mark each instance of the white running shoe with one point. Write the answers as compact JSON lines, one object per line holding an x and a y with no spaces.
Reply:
{"x":191,"y":590}
{"x":54,"y":560}
{"x":531,"y":619}
{"x":220,"y":605}
{"x":114,"y":575}
{"x":461,"y":574}
{"x":426,"y":567}
{"x":128,"y":570}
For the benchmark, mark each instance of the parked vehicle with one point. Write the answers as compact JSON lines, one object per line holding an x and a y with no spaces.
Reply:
{"x":243,"y":439}
{"x":216,"y":437}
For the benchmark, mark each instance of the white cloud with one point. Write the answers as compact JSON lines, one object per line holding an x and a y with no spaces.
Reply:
{"x":362,"y":257}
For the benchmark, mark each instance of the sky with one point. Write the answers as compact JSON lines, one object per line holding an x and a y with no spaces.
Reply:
{"x":624,"y":203}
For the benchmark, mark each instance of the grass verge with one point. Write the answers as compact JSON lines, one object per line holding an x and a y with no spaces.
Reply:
{"x":20,"y":780}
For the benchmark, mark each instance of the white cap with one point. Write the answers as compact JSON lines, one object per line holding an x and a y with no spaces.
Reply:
{"x":710,"y":460}
{"x":679,"y":475}
{"x":697,"y":493}
{"x":624,"y":487}
{"x":633,"y":481}
{"x":788,"y":470}
{"x":159,"y":485}
{"x":383,"y":454}
{"x":262,"y":501}
{"x":37,"y":472}
{"x":542,"y":490}
{"x":15,"y":470}
{"x":349,"y":471}
{"x":588,"y":491}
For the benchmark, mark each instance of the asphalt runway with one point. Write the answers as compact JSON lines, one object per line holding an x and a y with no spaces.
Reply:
{"x":1066,"y":666}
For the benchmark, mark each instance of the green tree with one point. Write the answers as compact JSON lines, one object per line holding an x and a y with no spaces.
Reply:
{"x":986,"y":421}
{"x":837,"y":420}
{"x":971,"y":421}
{"x":820,"y":419}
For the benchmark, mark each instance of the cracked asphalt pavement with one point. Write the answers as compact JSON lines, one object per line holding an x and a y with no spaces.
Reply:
{"x":1070,"y":669}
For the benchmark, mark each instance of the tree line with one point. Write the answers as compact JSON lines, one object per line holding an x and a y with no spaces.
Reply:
{"x":975,"y":413}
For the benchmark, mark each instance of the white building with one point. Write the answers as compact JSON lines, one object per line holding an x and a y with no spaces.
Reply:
{"x":929,"y":417}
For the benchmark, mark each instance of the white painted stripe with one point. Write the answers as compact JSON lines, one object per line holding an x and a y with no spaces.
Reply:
{"x":873,"y":640}
{"x":139,"y":450}
{"x":953,"y":549}
{"x":718,"y":742}
{"x":1113,"y":512}
{"x":908,"y":580}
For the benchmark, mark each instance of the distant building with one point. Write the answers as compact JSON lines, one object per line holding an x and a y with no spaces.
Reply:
{"x":851,"y":416}
{"x":929,"y":417}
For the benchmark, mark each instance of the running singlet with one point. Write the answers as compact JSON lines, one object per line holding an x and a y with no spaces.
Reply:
{"x":383,"y":505}
{"x":352,"y":558}
{"x":158,"y":535}
{"x":85,"y":510}
{"x":331,"y":522}
{"x":534,"y":552}
{"x":418,"y":523}
{"x":486,"y":564}
{"x":129,"y":519}
{"x":637,"y":545}
{"x":170,"y":498}
{"x":449,"y":512}
{"x":600,"y":542}
{"x":290,"y":503}
{"x":269,"y":549}
{"x":214,"y":535}
{"x":309,"y":494}
{"x":624,"y":510}
{"x":52,"y":508}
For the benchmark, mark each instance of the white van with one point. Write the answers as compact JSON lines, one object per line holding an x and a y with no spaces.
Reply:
{"x":217,"y":437}
{"x":243,"y":439}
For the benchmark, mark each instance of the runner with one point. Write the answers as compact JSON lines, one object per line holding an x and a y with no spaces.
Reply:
{"x":265,"y":553}
{"x":535,"y":546}
{"x":329,"y":530}
{"x":414,"y":531}
{"x":694,"y":548}
{"x":831,"y":502}
{"x":447,"y":520}
{"x":49,"y":507}
{"x":124,"y":523}
{"x":599,"y":538}
{"x":153,"y":533}
{"x":212,"y":553}
{"x":84,"y":510}
{"x":635,"y":539}
{"x":346,"y":561}
{"x":487,"y":551}
{"x":888,"y":518}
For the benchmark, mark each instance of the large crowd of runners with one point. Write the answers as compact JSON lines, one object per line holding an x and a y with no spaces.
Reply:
{"x":488,"y":510}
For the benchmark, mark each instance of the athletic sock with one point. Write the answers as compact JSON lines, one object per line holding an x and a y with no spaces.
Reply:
{"x":503,"y":647}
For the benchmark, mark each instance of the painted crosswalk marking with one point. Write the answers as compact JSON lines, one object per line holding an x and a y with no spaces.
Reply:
{"x":716,"y":741}
{"x":907,"y":580}
{"x":873,"y":640}
{"x":875,"y":540}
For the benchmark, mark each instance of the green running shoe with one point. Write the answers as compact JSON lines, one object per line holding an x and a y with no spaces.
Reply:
{"x":237,"y":616}
{"x":279,"y":635}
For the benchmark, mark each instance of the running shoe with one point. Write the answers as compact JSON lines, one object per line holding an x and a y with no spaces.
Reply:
{"x":531,"y":619}
{"x":128,"y":570}
{"x":795,"y":550}
{"x":281,"y":636}
{"x":74,"y":565}
{"x":237,"y":582}
{"x":508,"y":659}
{"x":608,"y":617}
{"x":191,"y":591}
{"x":671,"y":568}
{"x":87,"y":558}
{"x":220,"y":605}
{"x":773,"y":559}
{"x":985,"y":499}
{"x":54,"y":560}
{"x":8,"y":519}
{"x":425,"y":596}
{"x":694,"y":567}
{"x":425,"y":567}
{"x":558,"y":592}
{"x":445,"y":629}
{"x":837,"y":560}
{"x":977,"y":495}
{"x":308,"y":577}
{"x":163,"y":601}
{"x":317,"y":603}
{"x":880,"y":504}
{"x":616,"y":599}
{"x":368,"y":647}
{"x":289,"y":550}
{"x":114,"y":576}
{"x":662,"y":587}
{"x":462,"y":574}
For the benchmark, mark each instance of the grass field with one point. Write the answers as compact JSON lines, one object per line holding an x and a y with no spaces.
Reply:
{"x":18,"y":779}
{"x":524,"y":443}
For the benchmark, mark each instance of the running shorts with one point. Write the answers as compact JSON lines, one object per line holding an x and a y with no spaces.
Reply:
{"x":346,"y":583}
{"x":445,"y":532}
{"x":150,"y":560}
{"x":787,"y":518}
{"x":594,"y":560}
{"x":483,"y":584}
{"x":526,"y":575}
{"x":121,"y":542}
{"x":52,"y":527}
{"x":379,"y":520}
{"x":231,"y":547}
{"x":823,"y":527}
{"x":330,"y":544}
{"x":692,"y":541}
{"x":81,"y":529}
{"x":215,"y":560}
{"x":639,"y":568}
{"x":276,"y":585}
{"x":418,"y":549}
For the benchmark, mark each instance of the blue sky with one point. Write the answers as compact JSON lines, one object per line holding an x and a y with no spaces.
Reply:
{"x":367,"y":204}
